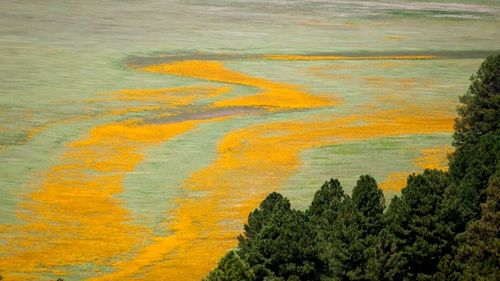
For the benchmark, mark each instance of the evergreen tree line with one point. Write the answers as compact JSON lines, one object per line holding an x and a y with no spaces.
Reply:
{"x":443,"y":226}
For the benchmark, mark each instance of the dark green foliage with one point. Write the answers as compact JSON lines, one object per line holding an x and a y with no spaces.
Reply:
{"x":470,"y":159}
{"x":342,"y":245}
{"x":327,"y":201}
{"x":285,"y":248}
{"x":480,"y":109}
{"x":479,"y":248}
{"x":279,"y":242}
{"x":231,"y":267}
{"x":477,"y":142}
{"x":367,"y":197}
{"x":350,"y":241}
{"x":473,"y":163}
{"x":445,"y":226}
{"x":274,"y":205}
{"x":421,"y":233}
{"x":369,"y":200}
{"x":385,"y":260}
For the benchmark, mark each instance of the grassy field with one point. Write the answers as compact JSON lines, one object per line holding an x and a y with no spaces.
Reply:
{"x":133,"y":148}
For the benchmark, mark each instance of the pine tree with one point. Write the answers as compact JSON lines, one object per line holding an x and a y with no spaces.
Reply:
{"x":273,"y":205}
{"x":286,"y":248}
{"x":415,"y":221}
{"x":327,"y":201}
{"x":479,"y":248}
{"x":342,"y":244}
{"x":231,"y":267}
{"x":479,"y":112}
{"x":369,"y":200}
{"x":477,"y":140}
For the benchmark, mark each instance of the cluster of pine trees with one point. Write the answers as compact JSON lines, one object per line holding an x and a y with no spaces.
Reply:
{"x":443,"y":226}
